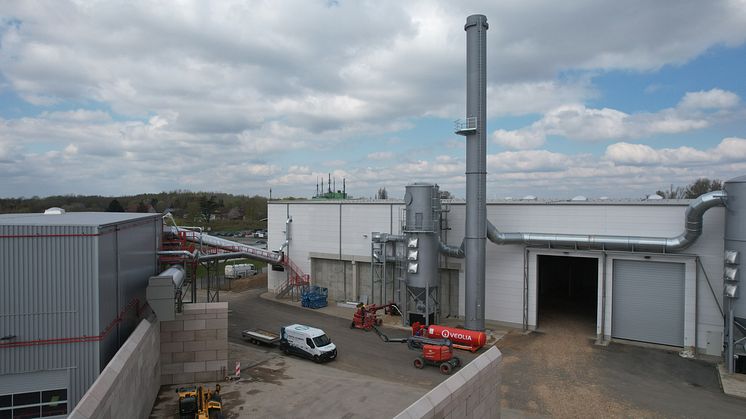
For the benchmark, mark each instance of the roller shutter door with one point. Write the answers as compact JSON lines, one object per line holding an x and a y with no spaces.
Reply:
{"x":648,"y":302}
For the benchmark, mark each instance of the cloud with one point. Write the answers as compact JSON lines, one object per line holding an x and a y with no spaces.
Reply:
{"x":711,"y":99}
{"x":142,"y":95}
{"x":519,"y":139}
{"x":729,"y":149}
{"x":580,"y":123}
{"x":381,"y":155}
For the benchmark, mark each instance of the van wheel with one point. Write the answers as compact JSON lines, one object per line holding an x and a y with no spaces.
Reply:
{"x":316,"y":359}
{"x":352,"y":325}
{"x":286,"y":350}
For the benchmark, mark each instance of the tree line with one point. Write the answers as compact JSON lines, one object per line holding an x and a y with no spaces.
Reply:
{"x":202,"y":207}
{"x":694,"y":190}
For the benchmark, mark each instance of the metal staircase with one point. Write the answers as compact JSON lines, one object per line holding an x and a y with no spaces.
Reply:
{"x":296,"y":283}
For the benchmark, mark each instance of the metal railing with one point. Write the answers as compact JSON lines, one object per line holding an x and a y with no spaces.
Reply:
{"x":469,"y":124}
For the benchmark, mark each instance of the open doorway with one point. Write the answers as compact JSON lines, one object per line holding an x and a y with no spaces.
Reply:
{"x":567,"y":293}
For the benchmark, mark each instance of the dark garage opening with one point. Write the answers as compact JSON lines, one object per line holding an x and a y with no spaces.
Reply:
{"x":567,"y":293}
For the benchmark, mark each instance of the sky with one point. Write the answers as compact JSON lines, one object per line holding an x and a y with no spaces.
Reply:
{"x":594,"y":98}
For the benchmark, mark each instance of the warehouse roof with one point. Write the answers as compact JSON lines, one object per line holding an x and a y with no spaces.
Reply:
{"x":646,"y":202}
{"x":74,"y":218}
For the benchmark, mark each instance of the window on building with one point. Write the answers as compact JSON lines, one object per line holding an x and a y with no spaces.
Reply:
{"x":33,"y":404}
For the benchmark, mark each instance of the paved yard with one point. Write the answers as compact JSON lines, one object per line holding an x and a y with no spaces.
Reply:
{"x":556,"y":372}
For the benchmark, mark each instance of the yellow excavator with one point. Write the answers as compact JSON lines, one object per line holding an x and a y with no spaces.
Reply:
{"x":200,"y":403}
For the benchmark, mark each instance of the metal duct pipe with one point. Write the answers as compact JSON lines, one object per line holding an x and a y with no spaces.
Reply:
{"x":237,"y":255}
{"x":692,"y":231}
{"x":452,"y":251}
{"x":476,"y":170}
{"x":190,"y":255}
{"x":377,"y":237}
{"x":176,"y":273}
{"x":231,"y":246}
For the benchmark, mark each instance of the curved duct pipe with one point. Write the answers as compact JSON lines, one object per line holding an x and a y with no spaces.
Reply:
{"x":176,"y":273}
{"x":692,"y":231}
{"x":453,"y":251}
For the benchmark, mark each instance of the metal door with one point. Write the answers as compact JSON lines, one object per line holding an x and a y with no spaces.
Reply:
{"x":648,"y":302}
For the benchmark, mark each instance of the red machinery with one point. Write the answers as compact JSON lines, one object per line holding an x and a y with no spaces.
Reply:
{"x":438,"y":352}
{"x":365,"y":316}
{"x":469,"y":340}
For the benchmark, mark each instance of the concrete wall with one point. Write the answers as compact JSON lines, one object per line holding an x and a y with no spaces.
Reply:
{"x":471,"y":392}
{"x":194,"y":346}
{"x":128,"y":386}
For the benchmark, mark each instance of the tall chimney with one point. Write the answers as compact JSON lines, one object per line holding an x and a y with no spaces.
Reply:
{"x":476,"y":170}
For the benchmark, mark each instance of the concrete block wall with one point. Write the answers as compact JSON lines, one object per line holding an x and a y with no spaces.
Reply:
{"x":194,"y":346}
{"x":134,"y":366}
{"x":471,"y":392}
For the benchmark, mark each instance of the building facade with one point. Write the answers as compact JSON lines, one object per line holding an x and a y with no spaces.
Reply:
{"x":71,"y":286}
{"x":671,"y":299}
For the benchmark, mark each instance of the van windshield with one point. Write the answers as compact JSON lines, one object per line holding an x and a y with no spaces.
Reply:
{"x":322,"y":340}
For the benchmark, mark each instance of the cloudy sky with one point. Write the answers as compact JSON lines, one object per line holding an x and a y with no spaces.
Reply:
{"x":584,"y":97}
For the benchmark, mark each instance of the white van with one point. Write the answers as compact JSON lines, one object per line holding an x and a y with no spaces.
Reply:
{"x":308,"y":342}
{"x":240,"y":270}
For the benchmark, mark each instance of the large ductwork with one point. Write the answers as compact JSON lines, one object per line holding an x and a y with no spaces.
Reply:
{"x":233,"y":249}
{"x":692,"y":231}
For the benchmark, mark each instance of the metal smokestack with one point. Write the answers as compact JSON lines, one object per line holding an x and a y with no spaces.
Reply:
{"x":476,"y":169}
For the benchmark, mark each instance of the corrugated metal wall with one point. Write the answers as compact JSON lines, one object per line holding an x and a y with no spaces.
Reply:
{"x":67,"y":286}
{"x":127,"y":260}
{"x":48,"y":290}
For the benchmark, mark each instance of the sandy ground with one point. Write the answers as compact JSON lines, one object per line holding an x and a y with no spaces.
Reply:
{"x":560,"y":373}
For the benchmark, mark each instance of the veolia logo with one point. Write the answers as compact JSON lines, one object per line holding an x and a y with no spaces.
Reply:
{"x":448,"y":334}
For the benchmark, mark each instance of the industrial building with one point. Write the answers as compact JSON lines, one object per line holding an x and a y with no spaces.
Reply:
{"x":656,"y":297}
{"x":71,"y":288}
{"x":653,"y":271}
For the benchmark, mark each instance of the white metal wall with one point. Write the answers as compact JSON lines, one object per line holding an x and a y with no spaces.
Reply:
{"x":317,"y":225}
{"x":316,"y":229}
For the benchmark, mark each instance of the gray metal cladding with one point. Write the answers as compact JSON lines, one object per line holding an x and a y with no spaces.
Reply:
{"x":59,"y":281}
{"x":48,"y":290}
{"x":423,"y":223}
{"x":476,"y":171}
{"x":735,"y":235}
{"x":421,"y":200}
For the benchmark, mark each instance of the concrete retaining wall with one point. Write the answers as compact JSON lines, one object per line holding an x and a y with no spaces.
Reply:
{"x":194,"y":346}
{"x":134,"y":366}
{"x":471,"y":392}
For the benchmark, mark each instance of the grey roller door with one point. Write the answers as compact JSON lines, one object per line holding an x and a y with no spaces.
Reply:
{"x":34,"y":381}
{"x":648,"y":302}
